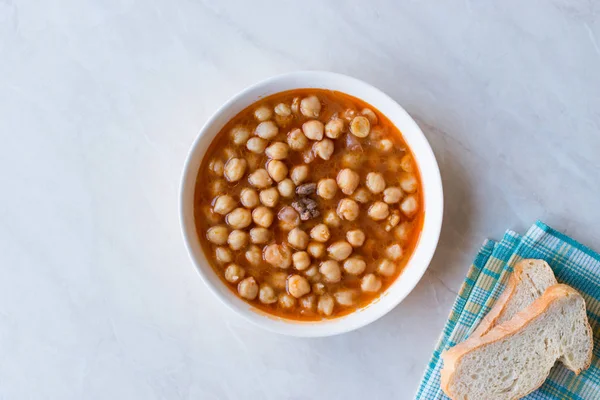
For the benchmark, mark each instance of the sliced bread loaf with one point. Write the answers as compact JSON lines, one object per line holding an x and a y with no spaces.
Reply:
{"x":515,"y":357}
{"x":529,"y":280}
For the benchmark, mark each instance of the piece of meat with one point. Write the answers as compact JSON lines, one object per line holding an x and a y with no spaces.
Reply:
{"x":306,"y":207}
{"x":306,"y":189}
{"x":353,"y":144}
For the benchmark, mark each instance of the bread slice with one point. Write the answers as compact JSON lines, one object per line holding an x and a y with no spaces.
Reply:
{"x":515,"y":357}
{"x":529,"y":280}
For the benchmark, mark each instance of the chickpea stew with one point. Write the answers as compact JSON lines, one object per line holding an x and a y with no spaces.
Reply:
{"x":308,"y":204}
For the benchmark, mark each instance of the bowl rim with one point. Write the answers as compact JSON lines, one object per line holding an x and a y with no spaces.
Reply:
{"x":433,"y":204}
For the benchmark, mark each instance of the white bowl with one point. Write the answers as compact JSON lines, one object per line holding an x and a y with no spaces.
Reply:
{"x":432,"y":191}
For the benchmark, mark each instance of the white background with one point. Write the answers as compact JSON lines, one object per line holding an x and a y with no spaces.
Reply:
{"x":100,"y":100}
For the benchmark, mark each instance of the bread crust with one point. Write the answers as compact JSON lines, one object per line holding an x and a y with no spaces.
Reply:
{"x":452,"y":356}
{"x":489,"y":321}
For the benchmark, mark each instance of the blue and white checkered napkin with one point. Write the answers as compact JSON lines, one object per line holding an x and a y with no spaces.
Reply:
{"x":572,"y":263}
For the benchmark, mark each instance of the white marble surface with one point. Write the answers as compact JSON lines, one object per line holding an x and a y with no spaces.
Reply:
{"x":100,"y":100}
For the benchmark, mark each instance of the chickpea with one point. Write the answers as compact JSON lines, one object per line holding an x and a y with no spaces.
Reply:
{"x":409,"y":205}
{"x":362,"y":195}
{"x":283,"y":110}
{"x":348,"y":209}
{"x":381,"y":136}
{"x":235,"y":169}
{"x":233,"y":273}
{"x":308,"y":302}
{"x":239,"y":135}
{"x":248,"y":288}
{"x":260,"y":235}
{"x":266,"y":130}
{"x":308,"y":156}
{"x":262,"y":216}
{"x":217,"y":234}
{"x":355,"y":265}
{"x":263,"y":113}
{"x":254,"y":161}
{"x":218,"y":187}
{"x":325,"y":305}
{"x":298,"y":238}
{"x":370,"y":283}
{"x":355,"y":237}
{"x":406,"y":163}
{"x":385,"y":145}
{"x":229,"y":152}
{"x":296,"y":105}
{"x":239,"y":218}
{"x":324,"y":149}
{"x":320,"y":233}
{"x":360,"y":127}
{"x":223,"y":255}
{"x":277,"y":151}
{"x":286,"y":301}
{"x":260,"y":179}
{"x":288,"y":218}
{"x":298,"y":286}
{"x":249,"y":198}
{"x":216,"y":166}
{"x":349,"y":114}
{"x":269,"y":197}
{"x":278,"y":280}
{"x":267,"y":295}
{"x":352,"y":160}
{"x":345,"y":297}
{"x":334,"y":128}
{"x":278,"y":255}
{"x":316,"y":249}
{"x":393,"y":220}
{"x":299,"y":174}
{"x":392,"y":195}
{"x":282,"y":121}
{"x":313,"y":273}
{"x":211,"y":217}
{"x":386,"y":267}
{"x":394,"y":252}
{"x":313,"y":129}
{"x":286,"y":188}
{"x":347,"y":180}
{"x":409,"y":183}
{"x":331,"y":271}
{"x":332,"y":219}
{"x":253,"y":255}
{"x":379,"y":210}
{"x":371,"y":116}
{"x":327,"y":188}
{"x":301,"y":260}
{"x":257,"y":145}
{"x":319,"y":288}
{"x":277,"y":170}
{"x":393,"y":165}
{"x":402,"y":232}
{"x":310,"y":106}
{"x":296,"y":140}
{"x":223,"y":204}
{"x":369,"y":247}
{"x":339,"y":250}
{"x":375,"y":182}
{"x":237,"y":239}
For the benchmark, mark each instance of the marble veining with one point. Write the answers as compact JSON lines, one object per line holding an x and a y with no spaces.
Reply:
{"x":100,"y":100}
